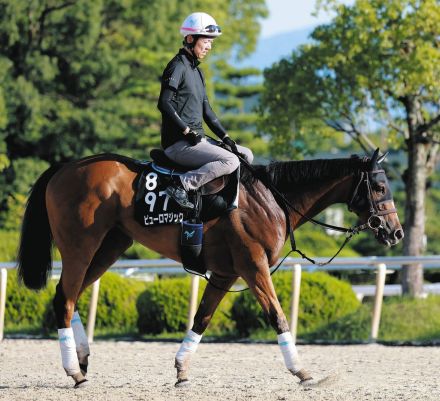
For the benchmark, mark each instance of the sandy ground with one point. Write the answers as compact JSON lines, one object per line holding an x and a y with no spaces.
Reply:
{"x":122,"y":370}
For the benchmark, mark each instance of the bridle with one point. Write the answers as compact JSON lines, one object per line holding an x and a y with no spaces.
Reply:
{"x":375,"y":220}
{"x":376,"y":209}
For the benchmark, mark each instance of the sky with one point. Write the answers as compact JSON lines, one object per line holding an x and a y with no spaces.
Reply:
{"x":291,"y":15}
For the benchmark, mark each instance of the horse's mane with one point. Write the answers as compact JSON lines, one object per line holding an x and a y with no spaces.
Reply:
{"x":283,"y":175}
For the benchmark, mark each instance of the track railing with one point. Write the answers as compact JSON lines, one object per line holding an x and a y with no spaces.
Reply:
{"x":140,"y":268}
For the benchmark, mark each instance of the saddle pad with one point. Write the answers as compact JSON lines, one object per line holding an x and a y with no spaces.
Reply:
{"x":153,"y":207}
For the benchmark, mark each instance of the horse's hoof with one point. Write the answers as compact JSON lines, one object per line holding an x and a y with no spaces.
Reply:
{"x":81,"y":384}
{"x":182,"y":383}
{"x":308,"y":383}
{"x":311,"y":383}
{"x":83,"y":369}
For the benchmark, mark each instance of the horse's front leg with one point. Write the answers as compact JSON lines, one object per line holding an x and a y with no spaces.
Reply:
{"x":210,"y":300}
{"x":260,"y":282}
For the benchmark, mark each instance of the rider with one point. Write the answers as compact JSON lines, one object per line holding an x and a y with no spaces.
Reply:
{"x":184,"y":104}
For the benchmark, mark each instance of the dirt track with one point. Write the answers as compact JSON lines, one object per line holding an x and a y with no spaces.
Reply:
{"x":31,"y":370}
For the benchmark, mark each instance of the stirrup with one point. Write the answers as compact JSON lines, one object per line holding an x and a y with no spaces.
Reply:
{"x":183,"y":202}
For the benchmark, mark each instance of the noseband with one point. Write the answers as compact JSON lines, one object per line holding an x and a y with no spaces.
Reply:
{"x":377,"y":210}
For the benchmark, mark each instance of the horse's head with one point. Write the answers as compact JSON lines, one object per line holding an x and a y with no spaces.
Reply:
{"x":372,"y":201}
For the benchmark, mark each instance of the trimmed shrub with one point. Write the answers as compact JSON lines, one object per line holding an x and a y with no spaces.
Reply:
{"x":403,"y":319}
{"x":25,"y":308}
{"x":324,"y":299}
{"x":116,"y":311}
{"x":355,"y":326}
{"x":163,"y":307}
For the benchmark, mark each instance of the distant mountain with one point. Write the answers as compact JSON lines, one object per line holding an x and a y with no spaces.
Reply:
{"x":273,"y":48}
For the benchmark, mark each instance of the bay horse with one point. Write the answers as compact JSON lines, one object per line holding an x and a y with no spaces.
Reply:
{"x":86,"y":208}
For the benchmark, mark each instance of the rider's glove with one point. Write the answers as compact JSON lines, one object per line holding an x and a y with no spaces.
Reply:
{"x":193,"y":137}
{"x":231,"y":144}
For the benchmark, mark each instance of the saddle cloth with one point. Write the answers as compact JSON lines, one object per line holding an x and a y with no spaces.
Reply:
{"x":153,"y":207}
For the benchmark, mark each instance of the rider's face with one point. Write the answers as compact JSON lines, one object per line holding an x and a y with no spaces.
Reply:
{"x":202,"y":47}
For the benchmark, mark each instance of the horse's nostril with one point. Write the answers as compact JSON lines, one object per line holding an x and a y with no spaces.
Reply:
{"x":398,"y":234}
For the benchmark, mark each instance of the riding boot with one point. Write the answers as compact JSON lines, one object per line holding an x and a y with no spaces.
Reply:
{"x":176,"y":192}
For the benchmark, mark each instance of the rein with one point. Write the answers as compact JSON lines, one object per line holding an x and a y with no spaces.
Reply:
{"x":374,"y":222}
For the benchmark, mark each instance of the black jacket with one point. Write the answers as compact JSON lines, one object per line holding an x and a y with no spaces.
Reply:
{"x":183,"y":101}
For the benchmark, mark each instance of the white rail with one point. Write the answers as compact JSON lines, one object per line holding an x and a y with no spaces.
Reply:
{"x":134,"y":268}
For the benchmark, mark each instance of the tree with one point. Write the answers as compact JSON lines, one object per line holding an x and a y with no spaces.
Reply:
{"x":236,"y":95}
{"x":375,"y":66}
{"x":81,"y":77}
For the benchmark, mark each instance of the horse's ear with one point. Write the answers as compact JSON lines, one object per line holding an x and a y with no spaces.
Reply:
{"x":382,"y":158}
{"x":374,"y":157}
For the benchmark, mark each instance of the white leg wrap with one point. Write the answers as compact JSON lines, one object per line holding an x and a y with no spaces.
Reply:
{"x":188,"y":346}
{"x":290,"y":354}
{"x":68,"y":351}
{"x":82,"y":344}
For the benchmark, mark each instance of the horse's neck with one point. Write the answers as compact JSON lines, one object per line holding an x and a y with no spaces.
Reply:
{"x":312,"y":199}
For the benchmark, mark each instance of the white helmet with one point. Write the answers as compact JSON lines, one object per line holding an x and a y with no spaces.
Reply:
{"x":200,"y":24}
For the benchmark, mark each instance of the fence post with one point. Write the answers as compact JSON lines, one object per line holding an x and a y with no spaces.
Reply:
{"x":91,"y":318}
{"x":378,"y":297}
{"x":294,"y":306}
{"x":3,"y":281}
{"x":193,"y":300}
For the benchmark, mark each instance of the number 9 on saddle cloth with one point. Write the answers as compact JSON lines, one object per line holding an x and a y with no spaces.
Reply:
{"x":154,"y":207}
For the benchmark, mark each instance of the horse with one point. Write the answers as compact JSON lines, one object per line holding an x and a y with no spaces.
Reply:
{"x":86,"y":209}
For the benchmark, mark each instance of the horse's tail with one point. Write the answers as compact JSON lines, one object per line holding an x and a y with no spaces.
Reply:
{"x":35,"y":251}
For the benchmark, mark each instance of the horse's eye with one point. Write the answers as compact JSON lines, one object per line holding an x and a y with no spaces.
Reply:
{"x":380,"y":188}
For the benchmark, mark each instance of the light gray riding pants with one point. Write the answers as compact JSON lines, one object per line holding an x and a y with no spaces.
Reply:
{"x":208,"y":160}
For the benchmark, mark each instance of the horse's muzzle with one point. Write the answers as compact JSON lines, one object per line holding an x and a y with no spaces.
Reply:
{"x":389,"y":238}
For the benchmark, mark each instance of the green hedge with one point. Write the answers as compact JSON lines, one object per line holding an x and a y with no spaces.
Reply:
{"x":163,"y":307}
{"x":323,"y":300}
{"x":402,"y":319}
{"x":25,"y":309}
{"x":116,"y":311}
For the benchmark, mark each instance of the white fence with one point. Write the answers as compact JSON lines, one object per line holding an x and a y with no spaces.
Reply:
{"x":141,"y":268}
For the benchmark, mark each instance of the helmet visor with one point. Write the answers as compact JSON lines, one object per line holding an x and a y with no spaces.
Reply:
{"x":212,"y":29}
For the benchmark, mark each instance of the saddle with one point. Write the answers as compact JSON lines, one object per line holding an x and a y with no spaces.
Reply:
{"x":152,"y":206}
{"x":167,"y":166}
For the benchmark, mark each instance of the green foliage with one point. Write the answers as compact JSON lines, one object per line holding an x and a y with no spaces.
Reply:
{"x":138,"y":251}
{"x":163,"y":307}
{"x":323,"y":300}
{"x":25,"y":308}
{"x":8,"y":245}
{"x":355,"y":326}
{"x":235,"y":94}
{"x":370,"y":74}
{"x":15,"y":203}
{"x":432,"y":226}
{"x":81,"y":77}
{"x":369,"y":63}
{"x":403,"y":319}
{"x":116,"y":311}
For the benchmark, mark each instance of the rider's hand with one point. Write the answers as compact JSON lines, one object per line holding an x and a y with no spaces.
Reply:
{"x":193,"y":137}
{"x":231,"y":144}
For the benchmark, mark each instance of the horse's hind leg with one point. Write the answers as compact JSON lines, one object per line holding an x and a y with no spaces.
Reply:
{"x":113,"y":245}
{"x":77,"y":252}
{"x":210,"y":300}
{"x":66,"y":296}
